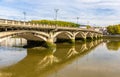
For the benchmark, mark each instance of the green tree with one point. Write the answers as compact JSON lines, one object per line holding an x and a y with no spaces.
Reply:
{"x":88,"y":26}
{"x":114,"y":29}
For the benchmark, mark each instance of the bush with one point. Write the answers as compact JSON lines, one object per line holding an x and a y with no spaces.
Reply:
{"x":58,"y":23}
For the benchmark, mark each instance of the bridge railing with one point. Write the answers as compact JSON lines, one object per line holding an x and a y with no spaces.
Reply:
{"x":4,"y":22}
{"x":22,"y":23}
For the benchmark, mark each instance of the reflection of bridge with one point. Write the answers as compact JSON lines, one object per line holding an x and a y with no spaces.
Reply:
{"x":80,"y":50}
{"x":46,"y":33}
{"x":50,"y":59}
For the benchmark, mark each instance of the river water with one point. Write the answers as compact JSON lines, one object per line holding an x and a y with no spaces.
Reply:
{"x":100,"y":58}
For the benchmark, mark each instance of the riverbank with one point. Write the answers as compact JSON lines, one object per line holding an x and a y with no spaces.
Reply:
{"x":111,"y":36}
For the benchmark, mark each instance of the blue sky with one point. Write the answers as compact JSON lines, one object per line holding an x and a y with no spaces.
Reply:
{"x":93,"y":12}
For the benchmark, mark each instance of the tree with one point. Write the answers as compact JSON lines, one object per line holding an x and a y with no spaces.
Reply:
{"x":114,"y":29}
{"x":88,"y":26}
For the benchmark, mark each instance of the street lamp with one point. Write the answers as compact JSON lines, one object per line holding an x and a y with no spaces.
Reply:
{"x":77,"y":19}
{"x":56,"y":12}
{"x":24,"y":13}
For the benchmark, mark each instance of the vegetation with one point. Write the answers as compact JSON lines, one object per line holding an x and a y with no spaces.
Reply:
{"x":113,"y":45}
{"x":113,"y":29}
{"x":58,"y":23}
{"x":88,"y":26}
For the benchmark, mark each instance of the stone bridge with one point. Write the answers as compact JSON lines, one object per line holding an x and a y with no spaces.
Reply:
{"x":47,"y":33}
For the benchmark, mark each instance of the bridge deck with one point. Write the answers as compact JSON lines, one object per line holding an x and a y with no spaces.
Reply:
{"x":11,"y":24}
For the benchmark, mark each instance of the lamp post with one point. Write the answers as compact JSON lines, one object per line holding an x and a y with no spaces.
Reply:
{"x":56,"y":12}
{"x":77,"y":19}
{"x":24,"y":13}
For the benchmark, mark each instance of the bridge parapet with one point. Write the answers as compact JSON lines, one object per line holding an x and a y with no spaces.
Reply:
{"x":13,"y":23}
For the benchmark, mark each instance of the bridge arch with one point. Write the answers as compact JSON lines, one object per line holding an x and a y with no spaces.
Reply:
{"x":90,"y":35}
{"x":81,"y":34}
{"x":28,"y":35}
{"x":66,"y":34}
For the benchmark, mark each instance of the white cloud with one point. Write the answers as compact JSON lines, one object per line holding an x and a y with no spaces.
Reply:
{"x":99,"y":12}
{"x":6,"y":12}
{"x":88,"y":1}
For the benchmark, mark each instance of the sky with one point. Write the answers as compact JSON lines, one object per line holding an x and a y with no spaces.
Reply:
{"x":91,"y":12}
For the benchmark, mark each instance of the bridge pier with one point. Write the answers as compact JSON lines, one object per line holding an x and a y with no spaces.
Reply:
{"x":6,"y":29}
{"x":50,"y":40}
{"x":72,"y":41}
{"x":84,"y":39}
{"x":96,"y":37}
{"x":50,"y":43}
{"x":84,"y":35}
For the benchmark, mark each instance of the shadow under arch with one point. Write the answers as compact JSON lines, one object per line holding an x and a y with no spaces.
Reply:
{"x":31,"y":36}
{"x":63,"y":36}
{"x":80,"y":35}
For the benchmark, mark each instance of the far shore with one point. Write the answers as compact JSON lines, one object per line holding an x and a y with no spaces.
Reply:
{"x":111,"y":36}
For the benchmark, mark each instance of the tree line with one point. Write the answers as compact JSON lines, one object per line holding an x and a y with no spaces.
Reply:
{"x":58,"y":23}
{"x":113,"y":29}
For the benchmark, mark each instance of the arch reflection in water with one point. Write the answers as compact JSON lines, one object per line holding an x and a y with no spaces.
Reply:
{"x":72,"y":52}
{"x":48,"y":59}
{"x":10,"y":56}
{"x":42,"y":63}
{"x":90,"y":45}
{"x":62,"y":54}
{"x":81,"y":48}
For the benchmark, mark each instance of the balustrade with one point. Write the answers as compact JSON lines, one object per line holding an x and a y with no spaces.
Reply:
{"x":22,"y":23}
